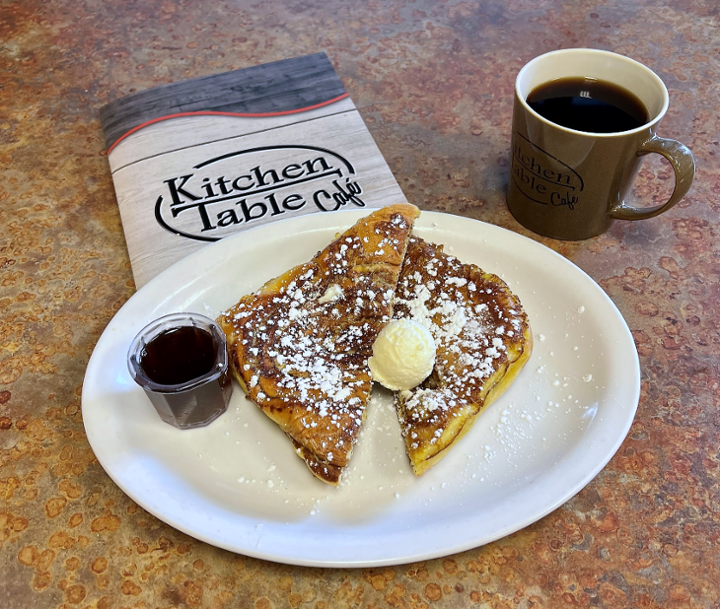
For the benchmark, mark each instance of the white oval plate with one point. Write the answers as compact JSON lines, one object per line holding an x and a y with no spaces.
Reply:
{"x":237,"y":484}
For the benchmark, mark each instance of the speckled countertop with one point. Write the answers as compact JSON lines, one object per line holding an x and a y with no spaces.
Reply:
{"x":433,"y":80}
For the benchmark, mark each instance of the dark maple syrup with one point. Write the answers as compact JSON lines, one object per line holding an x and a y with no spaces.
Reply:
{"x":179,"y":355}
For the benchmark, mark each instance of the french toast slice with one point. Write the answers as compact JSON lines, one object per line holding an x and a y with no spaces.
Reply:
{"x":299,"y":345}
{"x":483,"y":340}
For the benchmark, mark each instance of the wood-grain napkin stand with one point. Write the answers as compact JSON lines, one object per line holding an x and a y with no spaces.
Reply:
{"x":195,"y":161}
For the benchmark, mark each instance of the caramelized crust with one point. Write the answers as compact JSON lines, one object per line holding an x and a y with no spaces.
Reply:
{"x":483,"y":339}
{"x":299,"y":345}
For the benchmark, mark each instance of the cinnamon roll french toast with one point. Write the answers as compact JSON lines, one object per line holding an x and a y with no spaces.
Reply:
{"x":299,"y":345}
{"x":482,"y":337}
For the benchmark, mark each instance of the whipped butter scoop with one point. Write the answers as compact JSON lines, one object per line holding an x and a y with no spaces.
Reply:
{"x":403,"y":355}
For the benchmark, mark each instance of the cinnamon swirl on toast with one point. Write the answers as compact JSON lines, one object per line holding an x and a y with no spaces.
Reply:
{"x":299,"y":345}
{"x":483,"y":340}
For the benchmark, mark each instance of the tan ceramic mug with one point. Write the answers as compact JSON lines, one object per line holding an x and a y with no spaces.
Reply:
{"x":569,"y":183}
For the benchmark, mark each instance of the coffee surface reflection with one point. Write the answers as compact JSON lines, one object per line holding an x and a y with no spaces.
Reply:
{"x":588,"y":104}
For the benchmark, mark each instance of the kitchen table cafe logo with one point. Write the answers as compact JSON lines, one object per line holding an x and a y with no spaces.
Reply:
{"x":543,"y":178}
{"x":249,"y":186}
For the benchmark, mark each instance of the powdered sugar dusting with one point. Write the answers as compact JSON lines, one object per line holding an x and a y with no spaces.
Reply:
{"x":472,"y":324}
{"x":307,"y":337}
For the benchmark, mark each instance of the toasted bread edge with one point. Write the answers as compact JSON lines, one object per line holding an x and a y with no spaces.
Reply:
{"x":493,"y":394}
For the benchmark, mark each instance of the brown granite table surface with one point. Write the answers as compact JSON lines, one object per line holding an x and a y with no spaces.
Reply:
{"x":433,"y":80}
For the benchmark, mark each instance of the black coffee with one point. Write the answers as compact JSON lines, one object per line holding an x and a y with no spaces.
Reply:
{"x":590,"y":105}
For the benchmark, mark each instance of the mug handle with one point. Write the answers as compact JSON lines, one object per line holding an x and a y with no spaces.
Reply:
{"x":682,"y":163}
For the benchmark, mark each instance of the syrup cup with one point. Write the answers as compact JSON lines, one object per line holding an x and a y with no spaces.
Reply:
{"x":190,"y":402}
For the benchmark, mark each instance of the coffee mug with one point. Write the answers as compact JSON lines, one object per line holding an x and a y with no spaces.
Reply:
{"x":574,"y":156}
